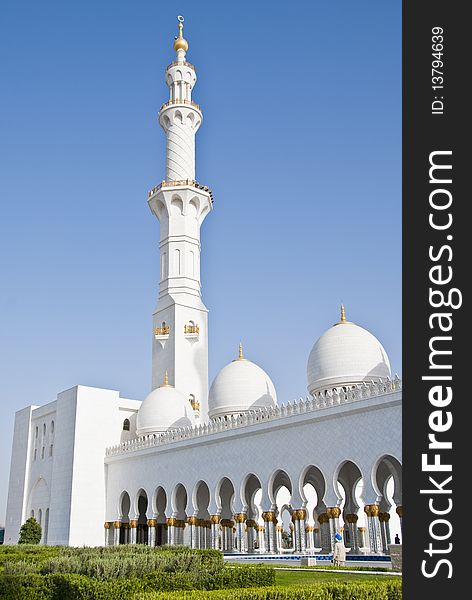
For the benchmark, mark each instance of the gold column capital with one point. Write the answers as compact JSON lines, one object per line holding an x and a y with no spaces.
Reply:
{"x":133,"y":523}
{"x":193,"y":520}
{"x":333,"y":512}
{"x":352,"y":518}
{"x":399,"y":511}
{"x":269,"y":516}
{"x":323,"y":518}
{"x":372,"y":510}
{"x":227,"y":523}
{"x":384,"y":517}
{"x":215,"y":519}
{"x":117,"y":524}
{"x":299,"y":514}
{"x":240,"y":517}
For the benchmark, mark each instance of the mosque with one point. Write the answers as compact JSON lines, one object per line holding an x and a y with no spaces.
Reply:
{"x":206,"y":467}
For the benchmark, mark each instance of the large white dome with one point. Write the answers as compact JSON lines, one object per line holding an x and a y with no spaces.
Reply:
{"x":239,"y":387}
{"x":346,"y":355}
{"x":163,"y":409}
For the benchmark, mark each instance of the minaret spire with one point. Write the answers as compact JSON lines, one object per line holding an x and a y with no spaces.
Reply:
{"x":180,"y":44}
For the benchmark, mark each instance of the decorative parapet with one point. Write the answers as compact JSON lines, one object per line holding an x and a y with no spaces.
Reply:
{"x":180,"y":183}
{"x":182,"y":63}
{"x":162,"y":330}
{"x":182,"y":101}
{"x":319,"y":401}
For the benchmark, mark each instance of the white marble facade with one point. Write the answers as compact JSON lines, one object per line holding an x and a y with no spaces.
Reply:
{"x":202,"y":466}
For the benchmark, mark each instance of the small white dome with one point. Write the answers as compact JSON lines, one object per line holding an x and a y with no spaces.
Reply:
{"x":163,"y":409}
{"x":346,"y":355}
{"x":239,"y":387}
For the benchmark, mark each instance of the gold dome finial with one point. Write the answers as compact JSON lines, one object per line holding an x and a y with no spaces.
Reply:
{"x":241,"y":356}
{"x":343,"y":319}
{"x":180,"y":42}
{"x":166,"y":380}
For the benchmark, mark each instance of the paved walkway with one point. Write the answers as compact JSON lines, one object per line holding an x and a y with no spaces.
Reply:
{"x":337,"y":571}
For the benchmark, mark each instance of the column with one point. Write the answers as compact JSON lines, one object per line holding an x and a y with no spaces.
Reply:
{"x":251,"y":526}
{"x":261,"y":538}
{"x":325,"y":536}
{"x":107,"y":526}
{"x":133,"y":524}
{"x":215,"y":527}
{"x":361,"y":537}
{"x":316,"y":537}
{"x":373,"y":528}
{"x":399,"y":512}
{"x":227,"y":534}
{"x":333,"y":513}
{"x":116,"y":532}
{"x":278,"y":530}
{"x":170,"y":522}
{"x":180,"y":531}
{"x":299,"y":518}
{"x":152,"y":523}
{"x":309,"y":530}
{"x":270,"y":521}
{"x":240,"y":519}
{"x":351,"y":520}
{"x":384,"y":518}
{"x":193,"y":524}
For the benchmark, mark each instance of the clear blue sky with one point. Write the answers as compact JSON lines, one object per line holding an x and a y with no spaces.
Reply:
{"x":301,"y":145}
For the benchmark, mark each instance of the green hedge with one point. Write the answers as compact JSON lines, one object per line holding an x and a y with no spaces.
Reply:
{"x":80,"y":587}
{"x":112,"y":563}
{"x":386,"y":590}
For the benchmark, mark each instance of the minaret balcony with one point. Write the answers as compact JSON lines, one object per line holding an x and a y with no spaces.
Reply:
{"x":180,"y":183}
{"x":183,"y":101}
{"x":192,"y":332}
{"x":183,"y":63}
{"x":161,"y":334}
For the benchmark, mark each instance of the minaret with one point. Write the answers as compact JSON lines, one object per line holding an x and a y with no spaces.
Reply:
{"x":180,"y":319}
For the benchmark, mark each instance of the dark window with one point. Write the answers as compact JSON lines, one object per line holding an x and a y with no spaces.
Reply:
{"x":126,"y":425}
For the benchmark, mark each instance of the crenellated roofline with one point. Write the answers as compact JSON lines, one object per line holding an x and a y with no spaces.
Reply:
{"x":321,"y":400}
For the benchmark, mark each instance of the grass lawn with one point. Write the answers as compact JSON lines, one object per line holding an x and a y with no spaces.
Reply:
{"x":301,"y":577}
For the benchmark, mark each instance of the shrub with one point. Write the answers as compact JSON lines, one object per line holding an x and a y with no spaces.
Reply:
{"x":30,"y":532}
{"x":25,"y":587}
{"x":368,"y":590}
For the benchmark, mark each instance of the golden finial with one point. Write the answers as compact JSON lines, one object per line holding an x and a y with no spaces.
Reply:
{"x":241,"y":356}
{"x":166,"y":380}
{"x":180,"y":42}
{"x":343,"y":320}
